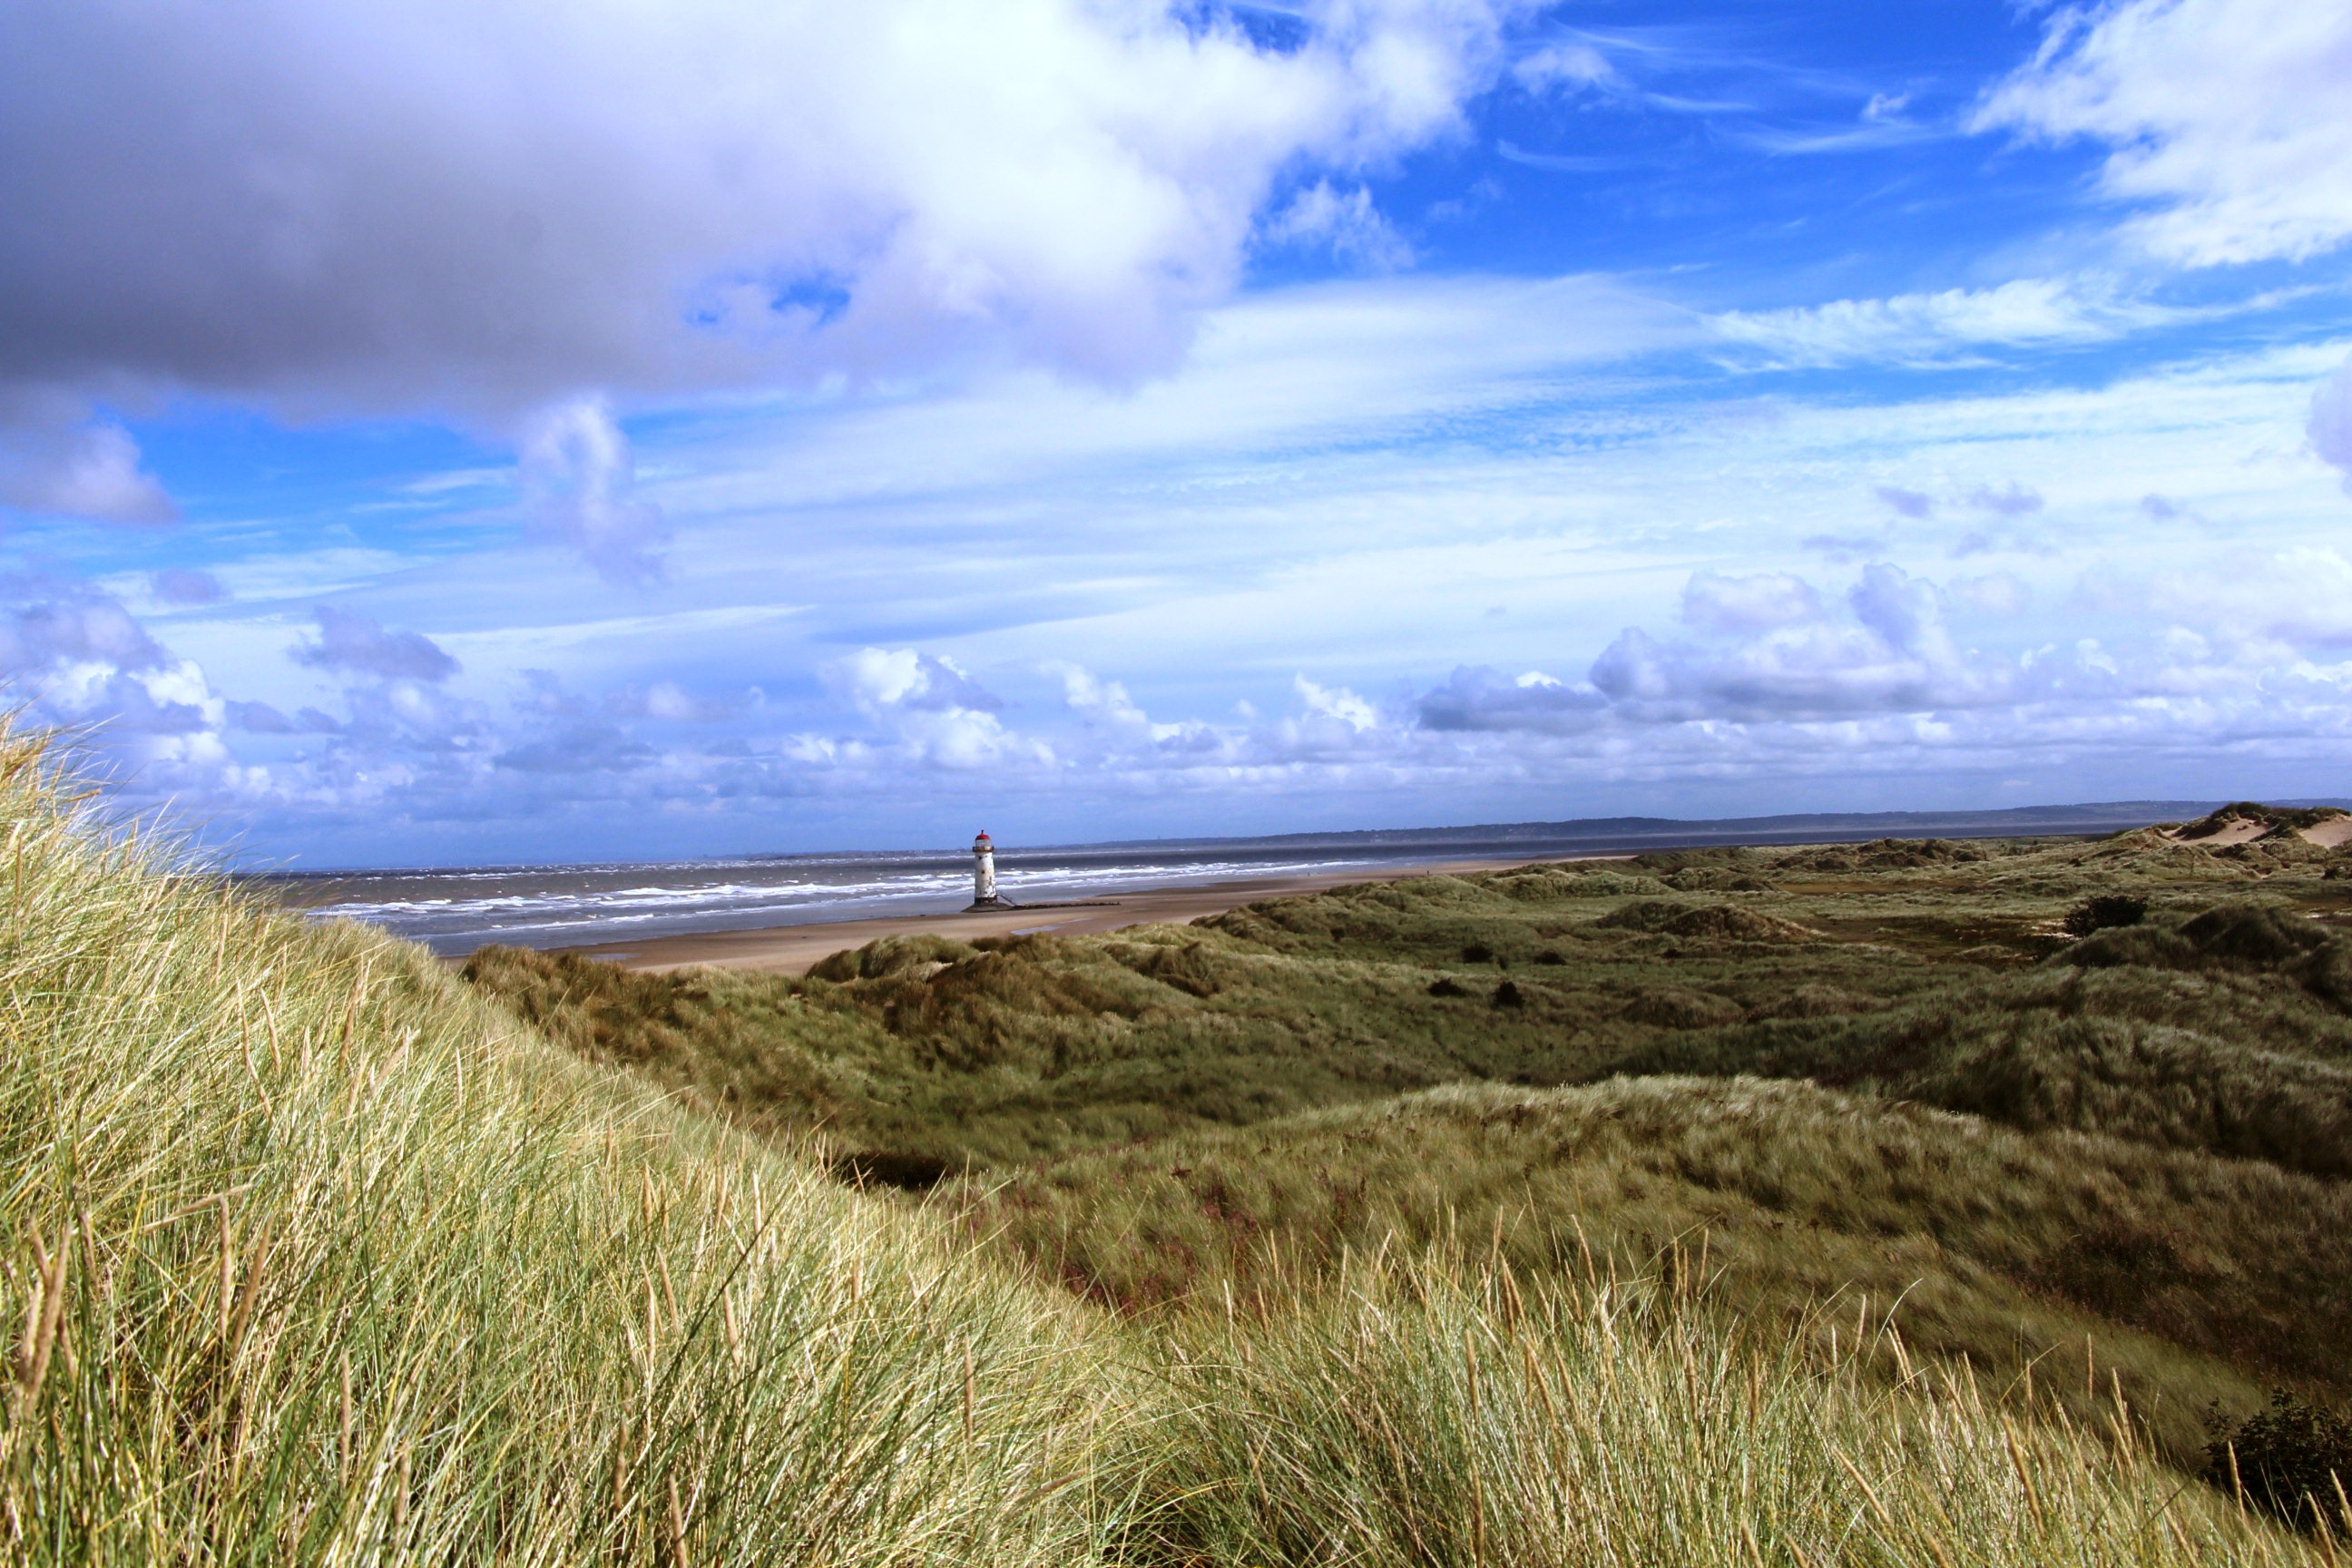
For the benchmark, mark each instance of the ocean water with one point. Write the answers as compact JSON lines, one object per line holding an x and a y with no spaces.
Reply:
{"x":457,"y":910}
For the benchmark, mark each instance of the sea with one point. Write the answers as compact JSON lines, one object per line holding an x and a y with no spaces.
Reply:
{"x":454,"y":910}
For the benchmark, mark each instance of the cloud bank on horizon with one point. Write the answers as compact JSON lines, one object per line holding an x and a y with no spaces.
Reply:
{"x":435,"y":432}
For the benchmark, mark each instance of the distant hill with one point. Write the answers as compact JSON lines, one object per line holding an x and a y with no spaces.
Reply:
{"x":1638,"y":833}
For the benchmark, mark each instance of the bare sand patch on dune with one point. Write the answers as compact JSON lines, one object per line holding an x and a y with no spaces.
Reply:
{"x":2332,"y":834}
{"x":2244,"y":830}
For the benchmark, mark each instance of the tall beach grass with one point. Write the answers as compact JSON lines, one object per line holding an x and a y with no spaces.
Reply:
{"x":318,"y":1257}
{"x":1435,"y":1412}
{"x":310,"y":1256}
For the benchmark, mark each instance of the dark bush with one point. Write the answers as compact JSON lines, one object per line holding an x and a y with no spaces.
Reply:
{"x":1445,"y":985}
{"x":2104,"y":911}
{"x":1549,"y":955}
{"x":1477,"y":952}
{"x":1507,"y":996}
{"x":2293,"y":1459}
{"x":891,"y":1168}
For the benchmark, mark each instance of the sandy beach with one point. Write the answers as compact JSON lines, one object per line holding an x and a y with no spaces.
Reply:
{"x":793,"y":949}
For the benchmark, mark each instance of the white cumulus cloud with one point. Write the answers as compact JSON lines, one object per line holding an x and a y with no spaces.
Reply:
{"x":1336,"y":703}
{"x":492,"y":205}
{"x":2230,"y":119}
{"x":1346,"y":222}
{"x":54,"y":464}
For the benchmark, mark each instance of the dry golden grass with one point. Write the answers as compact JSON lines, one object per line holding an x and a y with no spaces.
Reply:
{"x":313,"y":1256}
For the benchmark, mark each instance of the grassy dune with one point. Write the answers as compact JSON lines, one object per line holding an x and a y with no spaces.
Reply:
{"x":2064,"y":1158}
{"x":321,"y":1257}
{"x":2100,"y":1263}
{"x":1929,"y":971}
{"x":313,"y":1255}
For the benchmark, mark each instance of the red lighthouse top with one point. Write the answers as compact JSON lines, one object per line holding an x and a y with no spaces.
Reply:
{"x":982,"y":839}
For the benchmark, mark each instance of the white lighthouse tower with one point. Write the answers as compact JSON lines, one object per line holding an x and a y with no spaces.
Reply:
{"x":984,"y":875}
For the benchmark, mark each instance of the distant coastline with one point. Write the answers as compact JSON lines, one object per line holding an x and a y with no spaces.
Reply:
{"x":454,"y":909}
{"x":1645,"y":833}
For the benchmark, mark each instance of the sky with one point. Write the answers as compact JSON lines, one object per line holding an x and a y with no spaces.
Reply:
{"x":437,"y":433}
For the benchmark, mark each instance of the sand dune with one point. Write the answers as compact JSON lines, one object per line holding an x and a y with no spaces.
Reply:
{"x":2244,"y":831}
{"x":2330,"y":834}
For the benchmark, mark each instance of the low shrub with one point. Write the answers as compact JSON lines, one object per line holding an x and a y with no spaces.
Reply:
{"x":2293,"y":1460}
{"x":893,"y":1168}
{"x":2104,"y":911}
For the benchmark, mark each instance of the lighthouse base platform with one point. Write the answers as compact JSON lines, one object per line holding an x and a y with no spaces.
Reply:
{"x":982,"y":906}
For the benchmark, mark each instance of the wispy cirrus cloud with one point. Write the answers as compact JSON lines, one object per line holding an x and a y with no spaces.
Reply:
{"x":1951,"y":325}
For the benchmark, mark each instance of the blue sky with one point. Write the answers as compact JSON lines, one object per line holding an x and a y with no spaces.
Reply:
{"x":436,"y":432}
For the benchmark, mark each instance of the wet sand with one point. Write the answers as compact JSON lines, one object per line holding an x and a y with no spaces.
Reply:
{"x":792,"y":949}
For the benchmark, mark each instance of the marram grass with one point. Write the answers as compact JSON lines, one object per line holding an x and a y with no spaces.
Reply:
{"x":311,"y":1256}
{"x":342,"y":1269}
{"x":1431,"y":1413}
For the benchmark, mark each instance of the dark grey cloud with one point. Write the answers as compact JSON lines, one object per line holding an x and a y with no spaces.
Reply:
{"x":355,"y":644}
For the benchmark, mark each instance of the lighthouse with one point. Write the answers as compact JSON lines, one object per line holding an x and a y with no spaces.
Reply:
{"x":984,"y":875}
